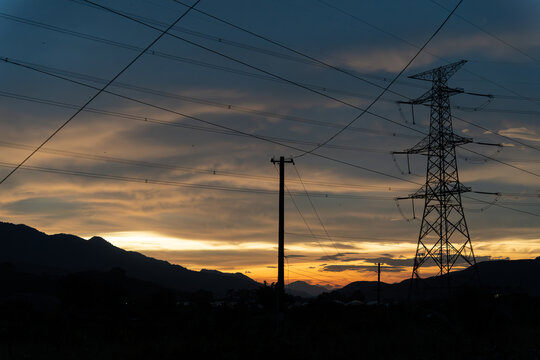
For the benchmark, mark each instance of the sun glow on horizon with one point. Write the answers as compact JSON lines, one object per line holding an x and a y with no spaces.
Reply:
{"x":148,"y":240}
{"x":306,"y":262}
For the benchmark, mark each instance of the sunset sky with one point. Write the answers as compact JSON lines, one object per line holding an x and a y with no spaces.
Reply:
{"x":148,"y":179}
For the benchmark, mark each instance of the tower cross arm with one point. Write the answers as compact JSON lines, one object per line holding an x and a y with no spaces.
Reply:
{"x":446,"y":70}
{"x":285,"y":160}
{"x":419,"y":194}
{"x":456,"y":140}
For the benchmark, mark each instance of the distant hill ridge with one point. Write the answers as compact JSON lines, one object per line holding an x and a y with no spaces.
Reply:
{"x":506,"y":276}
{"x":303,"y":289}
{"x":34,"y":251}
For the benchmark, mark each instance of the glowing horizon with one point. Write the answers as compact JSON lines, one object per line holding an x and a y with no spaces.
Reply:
{"x":296,"y":268}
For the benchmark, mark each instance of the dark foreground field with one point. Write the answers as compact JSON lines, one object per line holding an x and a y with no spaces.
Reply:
{"x":63,"y":297}
{"x":106,"y":316}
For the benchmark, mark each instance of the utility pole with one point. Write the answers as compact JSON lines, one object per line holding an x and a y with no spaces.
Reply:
{"x":444,"y":236}
{"x":378,"y":283}
{"x":280,"y":288}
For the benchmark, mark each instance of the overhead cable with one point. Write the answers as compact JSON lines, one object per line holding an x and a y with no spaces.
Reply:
{"x":315,"y":209}
{"x":143,"y":180}
{"x":222,"y":68}
{"x":536,"y":102}
{"x":388,"y":86}
{"x":162,"y":32}
{"x":192,"y":170}
{"x":499,"y":39}
{"x":258,"y":68}
{"x":340,"y":69}
{"x":343,"y":162}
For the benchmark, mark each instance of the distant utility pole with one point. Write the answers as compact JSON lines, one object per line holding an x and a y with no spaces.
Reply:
{"x":444,"y":236}
{"x":281,"y":230}
{"x":378,"y":283}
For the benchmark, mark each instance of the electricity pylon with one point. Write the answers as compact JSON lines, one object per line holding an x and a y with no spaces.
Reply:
{"x":444,"y":236}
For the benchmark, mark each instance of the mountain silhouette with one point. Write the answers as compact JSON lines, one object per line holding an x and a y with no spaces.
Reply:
{"x":303,"y":289}
{"x":33,"y":251}
{"x":498,"y":276}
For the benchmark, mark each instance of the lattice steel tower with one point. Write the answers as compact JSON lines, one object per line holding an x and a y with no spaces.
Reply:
{"x":444,"y":236}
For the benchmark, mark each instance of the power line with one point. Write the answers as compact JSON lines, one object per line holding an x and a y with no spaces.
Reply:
{"x":297,"y":84}
{"x":502,"y":111}
{"x":365,"y":110}
{"x":235,"y":130}
{"x":502,"y":206}
{"x":239,"y":72}
{"x":245,"y":109}
{"x":514,"y":160}
{"x":300,"y":213}
{"x":535,"y":102}
{"x":137,"y":179}
{"x":232,"y":129}
{"x":198,"y":100}
{"x":142,"y":180}
{"x":336,"y":68}
{"x":388,"y":86}
{"x":531,"y":204}
{"x":245,"y":190}
{"x":521,"y":194}
{"x":274,"y":42}
{"x":99,"y":92}
{"x":169,"y":56}
{"x":126,"y":46}
{"x":7,"y":60}
{"x":501,"y":162}
{"x":315,"y":210}
{"x":497,"y":133}
{"x":329,"y":65}
{"x":305,"y":55}
{"x":346,"y":237}
{"x":292,"y":82}
{"x":416,"y":46}
{"x":148,"y":164}
{"x":494,"y":132}
{"x":510,"y":97}
{"x":152,"y":120}
{"x":218,"y":39}
{"x":219,"y":188}
{"x":343,"y":162}
{"x":488,"y":33}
